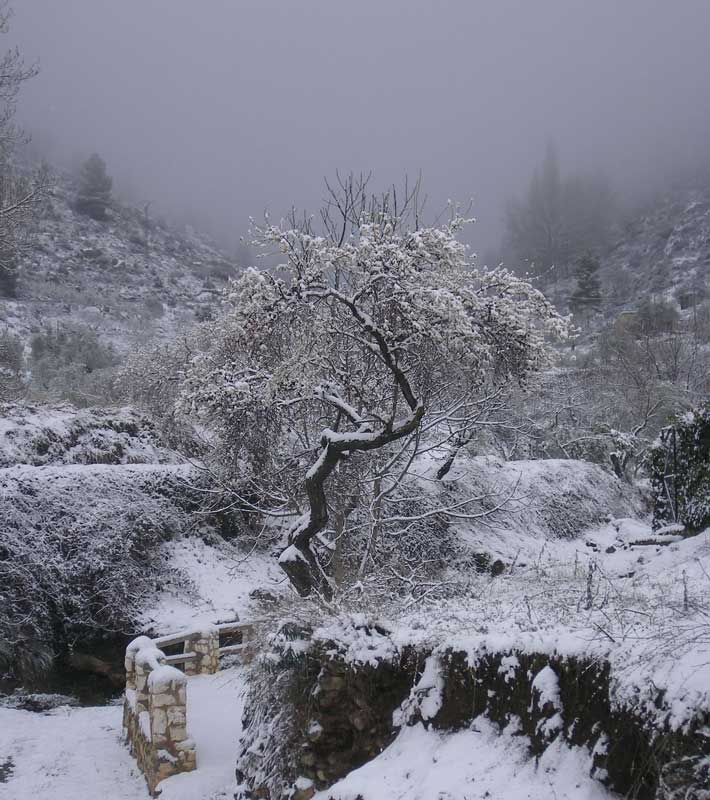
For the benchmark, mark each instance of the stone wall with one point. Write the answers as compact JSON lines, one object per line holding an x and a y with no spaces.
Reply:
{"x":341,"y":715}
{"x":570,"y":697}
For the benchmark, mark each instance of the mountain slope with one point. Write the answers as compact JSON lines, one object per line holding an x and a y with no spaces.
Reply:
{"x":130,"y":278}
{"x":664,"y":251}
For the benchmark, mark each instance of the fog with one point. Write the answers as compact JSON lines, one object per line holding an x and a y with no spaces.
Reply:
{"x":217,"y":110}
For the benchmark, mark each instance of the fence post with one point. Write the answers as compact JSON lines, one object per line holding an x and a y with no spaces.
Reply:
{"x":204,"y":642}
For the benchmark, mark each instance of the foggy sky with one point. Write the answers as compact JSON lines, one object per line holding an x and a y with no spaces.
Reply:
{"x":221,"y":108}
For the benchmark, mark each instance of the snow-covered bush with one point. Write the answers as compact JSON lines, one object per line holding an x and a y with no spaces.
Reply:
{"x":70,"y":362}
{"x":680,"y":471}
{"x":151,"y":379}
{"x":61,"y":434}
{"x":327,"y":377}
{"x":279,"y":681}
{"x":80,"y":555}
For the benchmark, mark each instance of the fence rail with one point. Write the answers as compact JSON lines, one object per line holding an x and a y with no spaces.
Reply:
{"x":181,"y":658}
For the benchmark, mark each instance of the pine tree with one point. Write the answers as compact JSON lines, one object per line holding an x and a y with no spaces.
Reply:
{"x":587,"y":297}
{"x":8,"y":271}
{"x":95,"y":185}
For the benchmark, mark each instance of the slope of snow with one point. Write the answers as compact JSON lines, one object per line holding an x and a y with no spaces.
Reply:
{"x":543,"y":500}
{"x":476,"y":763}
{"x":220,"y":578}
{"x":665,"y":251}
{"x":130,"y":278}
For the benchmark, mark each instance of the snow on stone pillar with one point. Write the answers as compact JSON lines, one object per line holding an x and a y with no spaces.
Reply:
{"x":168,"y":722}
{"x":204,"y":642}
{"x":155,"y":714}
{"x":137,"y":675}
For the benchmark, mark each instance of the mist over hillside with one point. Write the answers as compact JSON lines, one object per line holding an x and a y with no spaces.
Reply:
{"x":224,"y":110}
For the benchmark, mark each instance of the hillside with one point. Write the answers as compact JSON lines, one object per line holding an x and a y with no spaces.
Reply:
{"x":136,"y":277}
{"x":664,"y":250}
{"x":108,"y":532}
{"x":131,"y":278}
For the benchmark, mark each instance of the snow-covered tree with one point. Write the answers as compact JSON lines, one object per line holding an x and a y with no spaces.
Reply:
{"x":587,"y":296}
{"x":679,"y":464}
{"x":369,"y":345}
{"x":19,"y":193}
{"x":95,"y":186}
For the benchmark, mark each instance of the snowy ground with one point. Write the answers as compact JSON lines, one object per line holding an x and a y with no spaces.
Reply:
{"x":621,"y":592}
{"x":78,"y":753}
{"x":476,"y":763}
{"x":221,"y":578}
{"x":68,"y":754}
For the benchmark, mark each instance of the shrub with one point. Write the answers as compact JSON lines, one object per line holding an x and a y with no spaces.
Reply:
{"x":68,"y":362}
{"x":656,"y":316}
{"x":8,"y":274}
{"x":680,"y":471}
{"x":154,"y":308}
{"x":12,"y":364}
{"x":79,"y":555}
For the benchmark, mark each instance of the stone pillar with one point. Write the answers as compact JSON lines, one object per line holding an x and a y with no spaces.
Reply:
{"x":147,"y":659}
{"x":131,"y":672}
{"x":205,"y":643}
{"x":175,"y":752}
{"x":155,"y":714}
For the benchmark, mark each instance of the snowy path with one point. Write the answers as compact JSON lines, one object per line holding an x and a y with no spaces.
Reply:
{"x":69,"y":754}
{"x":78,"y":754}
{"x":470,"y":765}
{"x":214,"y":715}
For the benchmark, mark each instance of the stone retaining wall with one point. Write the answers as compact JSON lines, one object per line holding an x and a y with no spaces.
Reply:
{"x":342,"y":715}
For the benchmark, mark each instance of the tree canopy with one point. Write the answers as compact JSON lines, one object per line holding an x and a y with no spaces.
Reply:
{"x":559,"y":219}
{"x":587,"y":296}
{"x":370,"y":343}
